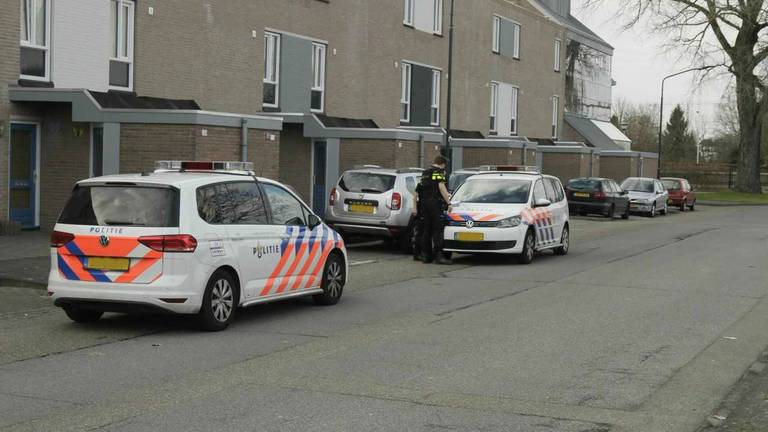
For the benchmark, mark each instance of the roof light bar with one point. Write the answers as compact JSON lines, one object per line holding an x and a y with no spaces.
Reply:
{"x":173,"y":165}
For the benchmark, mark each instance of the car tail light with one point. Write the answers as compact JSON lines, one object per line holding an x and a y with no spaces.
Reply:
{"x":59,"y":239}
{"x":170,"y":243}
{"x":397,"y":201}
{"x":332,"y":197}
{"x":598,"y":195}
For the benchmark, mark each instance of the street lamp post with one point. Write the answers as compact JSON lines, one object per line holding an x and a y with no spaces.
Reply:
{"x":661,"y":109}
{"x":450,"y":94}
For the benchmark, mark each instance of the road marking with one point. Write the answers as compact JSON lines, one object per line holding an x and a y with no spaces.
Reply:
{"x":359,"y":263}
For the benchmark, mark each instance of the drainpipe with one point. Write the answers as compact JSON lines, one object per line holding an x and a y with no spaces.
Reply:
{"x":244,"y":140}
{"x":421,"y":151}
{"x":525,"y":154}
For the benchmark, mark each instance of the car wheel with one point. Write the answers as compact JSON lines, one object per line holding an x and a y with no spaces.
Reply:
{"x":447,"y":255}
{"x":334,"y":277}
{"x":529,"y":247}
{"x":693,"y":206}
{"x":653,"y":211}
{"x":683,"y":205}
{"x":665,"y":209}
{"x":82,"y":316}
{"x":625,"y":216}
{"x":219,"y":302}
{"x":565,"y":242}
{"x":611,"y":212}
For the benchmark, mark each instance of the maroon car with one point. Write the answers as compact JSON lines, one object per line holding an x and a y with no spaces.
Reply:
{"x":681,"y":194}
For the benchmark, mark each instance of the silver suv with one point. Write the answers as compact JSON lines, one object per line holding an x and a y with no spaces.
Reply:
{"x":376,"y":202}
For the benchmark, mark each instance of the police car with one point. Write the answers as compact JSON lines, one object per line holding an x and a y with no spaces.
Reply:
{"x":192,"y":238}
{"x":508,"y":213}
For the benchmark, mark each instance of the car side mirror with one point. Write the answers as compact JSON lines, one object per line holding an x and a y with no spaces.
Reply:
{"x":623,"y":192}
{"x":314,"y":221}
{"x":543,"y":202}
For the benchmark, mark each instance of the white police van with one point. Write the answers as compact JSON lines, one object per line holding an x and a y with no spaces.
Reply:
{"x":518,"y":213}
{"x":193,"y":238}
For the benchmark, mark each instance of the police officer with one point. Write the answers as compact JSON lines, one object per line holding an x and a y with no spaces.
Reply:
{"x":433,"y":200}
{"x":417,"y":217}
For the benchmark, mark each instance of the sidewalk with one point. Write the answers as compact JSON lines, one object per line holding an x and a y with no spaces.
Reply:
{"x":25,"y":260}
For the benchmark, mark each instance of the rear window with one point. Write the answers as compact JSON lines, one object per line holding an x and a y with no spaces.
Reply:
{"x":457,"y":180}
{"x":584,"y":184}
{"x":363,"y":182}
{"x":638,"y":185}
{"x":672,"y":185}
{"x":501,"y":191}
{"x":122,"y":206}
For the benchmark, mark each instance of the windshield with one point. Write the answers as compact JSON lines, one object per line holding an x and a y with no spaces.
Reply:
{"x":497,"y":191}
{"x":122,"y":206}
{"x":584,"y":184}
{"x":637,"y":185}
{"x":672,"y":185}
{"x":458,"y":179}
{"x":363,"y":182}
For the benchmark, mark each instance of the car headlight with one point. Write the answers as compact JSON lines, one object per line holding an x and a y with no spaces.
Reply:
{"x":509,"y":222}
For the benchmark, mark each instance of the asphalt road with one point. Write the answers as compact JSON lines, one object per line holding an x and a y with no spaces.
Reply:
{"x":644,"y":326}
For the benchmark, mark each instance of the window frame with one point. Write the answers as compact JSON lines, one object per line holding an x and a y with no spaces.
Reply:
{"x":496,"y":35}
{"x":318,"y":76}
{"x":513,"y":131}
{"x":434,"y":110}
{"x":518,"y":34}
{"x":306,"y":212}
{"x":437,"y":18}
{"x":268,"y":214}
{"x":409,"y":11}
{"x":558,"y":54}
{"x":494,"y":115}
{"x":272,"y":41}
{"x":535,"y":198}
{"x":116,"y":55}
{"x":555,"y":116}
{"x":405,"y":91}
{"x":31,"y":30}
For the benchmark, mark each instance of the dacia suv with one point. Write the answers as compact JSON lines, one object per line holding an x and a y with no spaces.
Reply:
{"x":375,"y":202}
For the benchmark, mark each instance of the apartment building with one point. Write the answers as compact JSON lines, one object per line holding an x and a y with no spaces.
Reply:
{"x":303,"y":88}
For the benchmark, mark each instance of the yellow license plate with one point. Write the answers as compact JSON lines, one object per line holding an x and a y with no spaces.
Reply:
{"x":361,"y":208}
{"x":113,"y":264}
{"x":581,"y":194}
{"x":469,"y":236}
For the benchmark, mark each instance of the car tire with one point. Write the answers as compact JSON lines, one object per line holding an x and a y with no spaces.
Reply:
{"x":332,"y":284}
{"x":683,"y":206}
{"x":529,"y":248}
{"x":625,"y":216}
{"x":652,"y":214}
{"x":665,"y":210}
{"x":82,"y":316}
{"x":693,"y":206}
{"x":565,"y":241}
{"x":447,"y":255}
{"x":219,"y":302}
{"x":611,"y":212}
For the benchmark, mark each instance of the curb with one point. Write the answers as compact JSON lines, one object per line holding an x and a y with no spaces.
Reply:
{"x":22,"y":283}
{"x":728,"y":204}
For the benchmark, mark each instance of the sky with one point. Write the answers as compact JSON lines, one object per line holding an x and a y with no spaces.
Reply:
{"x":641,"y":61}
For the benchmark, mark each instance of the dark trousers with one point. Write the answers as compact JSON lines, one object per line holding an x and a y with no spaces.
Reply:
{"x":432,"y":228}
{"x":418,"y":229}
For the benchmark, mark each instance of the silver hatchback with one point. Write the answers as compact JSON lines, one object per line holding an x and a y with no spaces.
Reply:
{"x":375,"y":202}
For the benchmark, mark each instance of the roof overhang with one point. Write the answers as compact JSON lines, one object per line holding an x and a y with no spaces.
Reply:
{"x":85,"y":108}
{"x":495,"y":143}
{"x":599,"y":134}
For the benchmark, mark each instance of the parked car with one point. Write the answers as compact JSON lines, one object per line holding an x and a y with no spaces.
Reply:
{"x":375,"y":202}
{"x":681,"y":194}
{"x":594,"y":195}
{"x":459,"y":176}
{"x":646,"y":195}
{"x":201,"y":238}
{"x":508,"y":213}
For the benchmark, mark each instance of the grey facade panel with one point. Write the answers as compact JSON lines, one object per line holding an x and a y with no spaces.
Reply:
{"x":507,"y":38}
{"x":591,"y":133}
{"x":421,"y":95}
{"x":295,"y":74}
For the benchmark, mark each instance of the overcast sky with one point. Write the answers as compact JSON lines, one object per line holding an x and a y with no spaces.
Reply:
{"x":640,"y":62}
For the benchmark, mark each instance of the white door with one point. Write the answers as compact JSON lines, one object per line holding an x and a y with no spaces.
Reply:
{"x":507,"y":110}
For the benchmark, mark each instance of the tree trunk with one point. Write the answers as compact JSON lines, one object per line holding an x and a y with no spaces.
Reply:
{"x":751,"y":122}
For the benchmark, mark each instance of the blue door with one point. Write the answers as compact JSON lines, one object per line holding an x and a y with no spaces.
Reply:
{"x":318,"y":181}
{"x":23,"y":174}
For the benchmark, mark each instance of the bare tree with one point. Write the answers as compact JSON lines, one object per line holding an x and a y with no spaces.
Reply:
{"x":733,"y":35}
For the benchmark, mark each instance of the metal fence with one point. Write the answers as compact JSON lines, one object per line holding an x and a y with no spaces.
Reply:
{"x":707,"y":176}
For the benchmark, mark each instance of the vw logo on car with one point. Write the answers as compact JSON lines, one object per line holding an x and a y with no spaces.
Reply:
{"x":470,"y":224}
{"x":104,"y":241}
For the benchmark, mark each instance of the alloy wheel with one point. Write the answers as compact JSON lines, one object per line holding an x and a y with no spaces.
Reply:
{"x":222,"y":300}
{"x":335,"y":279}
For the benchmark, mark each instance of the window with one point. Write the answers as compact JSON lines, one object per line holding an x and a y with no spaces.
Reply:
{"x":142,"y":206}
{"x":513,"y":113}
{"x":409,"y":11}
{"x":435,"y":108}
{"x":555,"y":115}
{"x":97,"y":151}
{"x":550,"y":189}
{"x":506,"y":37}
{"x":271,"y":88}
{"x":405,"y":97}
{"x":34,"y":39}
{"x":318,"y":77}
{"x":539,"y":192}
{"x":121,"y":60}
{"x":231,"y":204}
{"x":494,"y":104}
{"x":558,"y":45}
{"x":286,"y":209}
{"x":437,"y":17}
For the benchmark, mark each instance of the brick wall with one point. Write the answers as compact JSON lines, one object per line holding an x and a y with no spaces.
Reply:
{"x":430,"y":151}
{"x":9,"y":73}
{"x":264,"y":152}
{"x":385,"y":153}
{"x":295,"y":160}
{"x":407,"y":154}
{"x":649,"y":167}
{"x":142,"y":144}
{"x":565,"y":166}
{"x":64,"y":160}
{"x":618,"y":168}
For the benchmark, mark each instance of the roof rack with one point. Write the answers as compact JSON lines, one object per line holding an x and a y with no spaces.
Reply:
{"x":510,"y":168}
{"x":409,"y":170}
{"x":219,"y":167}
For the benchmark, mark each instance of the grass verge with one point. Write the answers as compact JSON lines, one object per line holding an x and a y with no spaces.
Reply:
{"x":733,"y":197}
